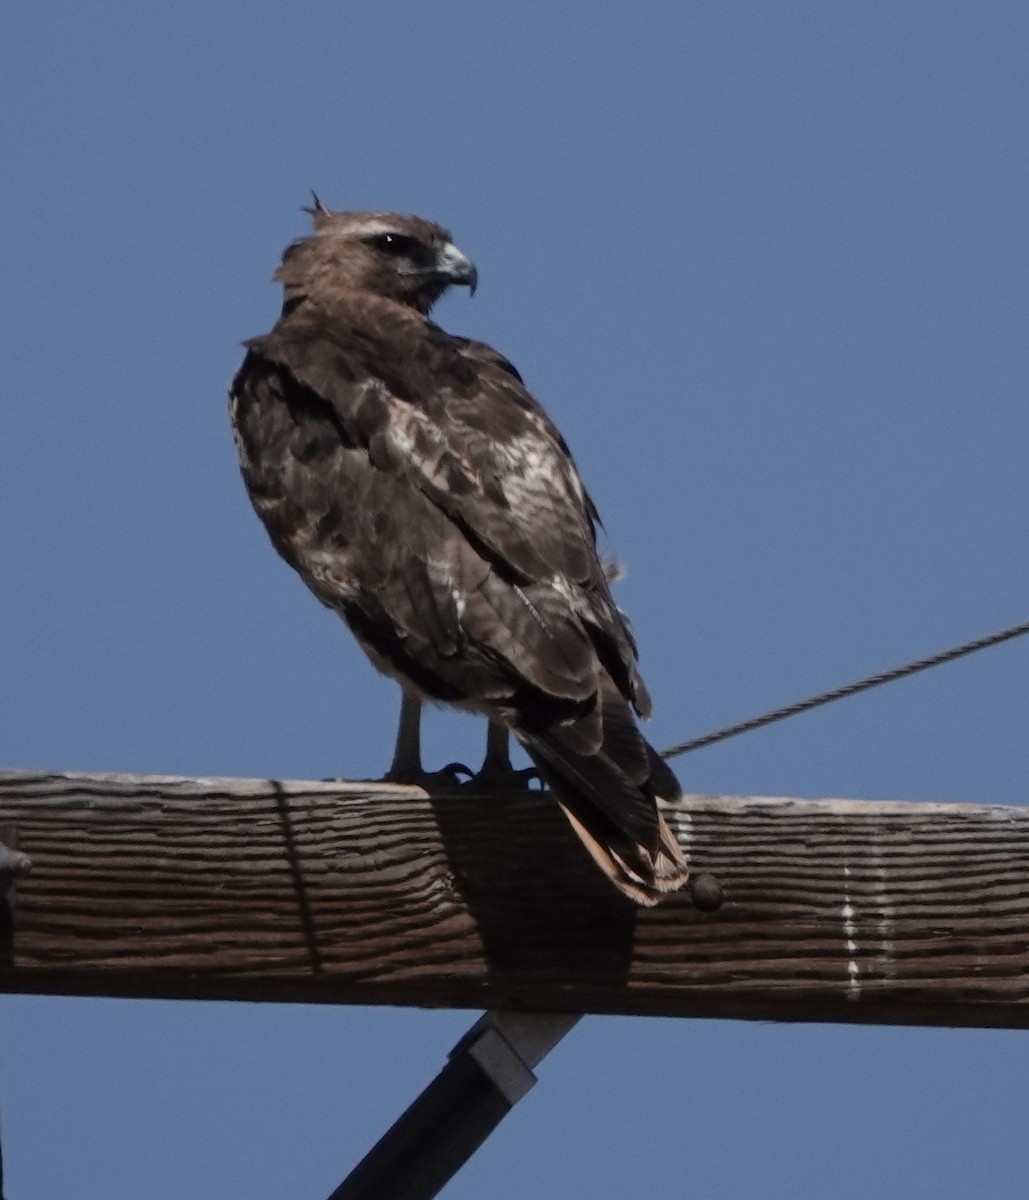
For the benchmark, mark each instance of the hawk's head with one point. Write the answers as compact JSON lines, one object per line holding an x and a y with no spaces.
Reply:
{"x":405,"y":259}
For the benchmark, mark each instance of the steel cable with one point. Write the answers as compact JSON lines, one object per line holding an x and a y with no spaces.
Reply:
{"x":850,"y":689}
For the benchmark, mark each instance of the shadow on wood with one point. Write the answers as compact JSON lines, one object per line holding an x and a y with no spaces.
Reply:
{"x":498,"y":848}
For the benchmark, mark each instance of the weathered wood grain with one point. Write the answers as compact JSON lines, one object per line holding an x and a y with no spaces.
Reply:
{"x":376,"y":894}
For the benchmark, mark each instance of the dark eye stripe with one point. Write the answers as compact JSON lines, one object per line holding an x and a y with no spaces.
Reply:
{"x":393,"y":244}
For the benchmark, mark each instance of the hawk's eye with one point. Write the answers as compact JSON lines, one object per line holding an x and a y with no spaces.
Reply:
{"x":395,"y":245}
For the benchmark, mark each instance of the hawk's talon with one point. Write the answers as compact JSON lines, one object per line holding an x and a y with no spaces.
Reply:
{"x":507,"y":777}
{"x":448,"y":776}
{"x":455,"y":769}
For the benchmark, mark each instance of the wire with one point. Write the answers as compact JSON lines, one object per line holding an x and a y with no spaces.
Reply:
{"x":850,"y":689}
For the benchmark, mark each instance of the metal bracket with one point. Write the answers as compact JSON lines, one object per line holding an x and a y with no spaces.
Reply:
{"x":507,"y":1045}
{"x":13,"y":865}
{"x":12,"y":862}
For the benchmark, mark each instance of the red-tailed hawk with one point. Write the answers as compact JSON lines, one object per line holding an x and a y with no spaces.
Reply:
{"x":423,"y":494}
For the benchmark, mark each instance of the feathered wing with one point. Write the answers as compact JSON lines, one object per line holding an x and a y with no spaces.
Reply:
{"x":424,"y":494}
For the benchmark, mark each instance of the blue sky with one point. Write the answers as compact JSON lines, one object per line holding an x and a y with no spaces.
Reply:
{"x":766,"y":267}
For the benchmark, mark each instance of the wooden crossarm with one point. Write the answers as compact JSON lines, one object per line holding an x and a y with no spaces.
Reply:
{"x":370,"y":893}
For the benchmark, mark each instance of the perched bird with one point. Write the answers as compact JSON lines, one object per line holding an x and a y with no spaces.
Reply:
{"x":424,"y":495}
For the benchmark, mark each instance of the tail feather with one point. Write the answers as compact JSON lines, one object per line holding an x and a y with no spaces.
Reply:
{"x":643,"y":875}
{"x":610,"y":796}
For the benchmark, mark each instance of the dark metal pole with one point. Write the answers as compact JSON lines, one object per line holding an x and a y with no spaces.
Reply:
{"x":488,"y":1072}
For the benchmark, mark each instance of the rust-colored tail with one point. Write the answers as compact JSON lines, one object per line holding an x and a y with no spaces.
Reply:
{"x":611,"y":796}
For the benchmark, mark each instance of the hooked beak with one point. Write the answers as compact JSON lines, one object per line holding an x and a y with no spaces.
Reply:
{"x":455,"y":267}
